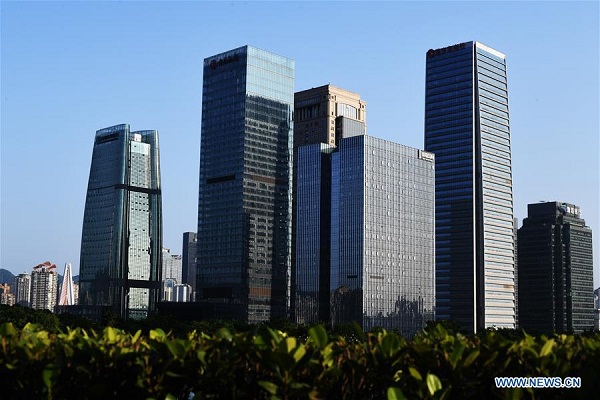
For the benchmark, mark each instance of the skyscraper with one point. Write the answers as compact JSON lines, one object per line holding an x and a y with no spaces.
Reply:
{"x":188,"y":259}
{"x":312,"y":267}
{"x":365,"y":234}
{"x":44,"y":286}
{"x":244,"y":206}
{"x":23,"y":289}
{"x":322,"y":115}
{"x":555,"y":270}
{"x":171,"y":265}
{"x":316,"y":113}
{"x":121,"y":239}
{"x":467,"y":127}
{"x":67,"y":292}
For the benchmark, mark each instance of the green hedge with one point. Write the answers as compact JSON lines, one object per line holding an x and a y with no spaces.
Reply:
{"x":269,"y":364}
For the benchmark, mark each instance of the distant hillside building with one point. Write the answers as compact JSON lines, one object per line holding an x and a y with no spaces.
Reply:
{"x":555,"y":270}
{"x":6,"y":297}
{"x":44,"y":286}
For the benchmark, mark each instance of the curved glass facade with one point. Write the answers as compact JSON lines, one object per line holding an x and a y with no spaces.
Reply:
{"x":467,"y":127}
{"x":244,"y":206}
{"x":122,"y":225}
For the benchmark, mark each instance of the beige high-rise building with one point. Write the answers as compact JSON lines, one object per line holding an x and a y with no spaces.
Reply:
{"x":44,"y":286}
{"x":324,"y":114}
{"x":320,"y":113}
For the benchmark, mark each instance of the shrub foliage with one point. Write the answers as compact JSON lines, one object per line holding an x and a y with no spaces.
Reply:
{"x":266,"y":363}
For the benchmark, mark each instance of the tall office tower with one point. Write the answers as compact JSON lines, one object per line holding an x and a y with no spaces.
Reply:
{"x":171,"y":265}
{"x":313,"y":236}
{"x":244,"y":206}
{"x":365,"y":234}
{"x":324,"y":114}
{"x":67,"y":294}
{"x":23,"y":289}
{"x":188,"y":259}
{"x":555,"y":270}
{"x":122,"y":224}
{"x":467,"y":127}
{"x":6,"y":297}
{"x":44,"y":286}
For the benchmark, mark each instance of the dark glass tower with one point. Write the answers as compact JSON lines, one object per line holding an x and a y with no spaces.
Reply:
{"x":121,"y":241}
{"x":555,"y":270}
{"x":244,"y":206}
{"x":188,"y":259}
{"x":467,"y":127}
{"x":313,"y":234}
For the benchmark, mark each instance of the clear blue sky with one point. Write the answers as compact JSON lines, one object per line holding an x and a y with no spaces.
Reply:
{"x":71,"y":68}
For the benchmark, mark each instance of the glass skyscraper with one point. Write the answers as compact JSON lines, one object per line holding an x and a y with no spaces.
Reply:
{"x":556,"y":268}
{"x":365,"y":234}
{"x":244,"y":205}
{"x":188,"y":259}
{"x":121,"y":241}
{"x":467,"y":127}
{"x":313,"y":234}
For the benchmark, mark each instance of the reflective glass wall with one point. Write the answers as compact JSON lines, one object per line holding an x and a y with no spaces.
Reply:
{"x":244,"y":210}
{"x":382,"y":233}
{"x":122,"y":228}
{"x":313,"y":236}
{"x":466,"y":126}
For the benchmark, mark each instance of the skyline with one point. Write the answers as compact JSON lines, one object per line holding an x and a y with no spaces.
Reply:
{"x":70,"y":69}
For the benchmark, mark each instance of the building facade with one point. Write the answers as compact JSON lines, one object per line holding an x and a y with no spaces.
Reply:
{"x":188,"y":259}
{"x":597,"y":309}
{"x":515,"y":243}
{"x":168,"y":293}
{"x":467,"y":127}
{"x":244,"y":206}
{"x":171,"y":266}
{"x":6,"y":297}
{"x":555,"y":270}
{"x":366,"y":252}
{"x":313,"y":235}
{"x":67,"y":289}
{"x":316,"y":113}
{"x":182,"y":293}
{"x":44,"y":286}
{"x":322,"y":115}
{"x":121,"y":242}
{"x":23,"y":289}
